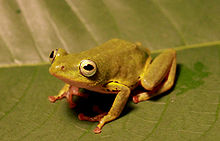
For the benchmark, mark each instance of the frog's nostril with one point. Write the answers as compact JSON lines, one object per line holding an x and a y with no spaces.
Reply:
{"x":62,"y":67}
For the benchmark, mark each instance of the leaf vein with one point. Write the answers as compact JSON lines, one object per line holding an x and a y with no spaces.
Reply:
{"x":160,"y":119}
{"x":24,"y":94}
{"x":31,"y":33}
{"x":57,"y":31}
{"x":113,"y":18}
{"x":86,"y":132}
{"x":41,"y":125}
{"x":215,"y":120}
{"x":171,"y":20}
{"x":82,"y":20}
{"x":12,"y":57}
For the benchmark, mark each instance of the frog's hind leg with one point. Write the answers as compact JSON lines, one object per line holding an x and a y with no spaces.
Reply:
{"x":159,"y":76}
{"x":98,"y":117}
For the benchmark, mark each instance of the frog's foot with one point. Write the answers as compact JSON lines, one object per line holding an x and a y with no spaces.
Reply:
{"x":97,"y":130}
{"x":81,"y":116}
{"x":141,"y":97}
{"x":134,"y":95}
{"x":68,"y":92}
{"x":68,"y":96}
{"x":135,"y":99}
{"x":98,"y":117}
{"x":55,"y":98}
{"x":62,"y":93}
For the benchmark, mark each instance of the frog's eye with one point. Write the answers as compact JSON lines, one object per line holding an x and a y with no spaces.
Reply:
{"x":57,"y":53}
{"x":87,"y":68}
{"x":53,"y":55}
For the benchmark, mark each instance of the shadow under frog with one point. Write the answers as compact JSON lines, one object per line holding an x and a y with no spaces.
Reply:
{"x":96,"y":100}
{"x":188,"y":79}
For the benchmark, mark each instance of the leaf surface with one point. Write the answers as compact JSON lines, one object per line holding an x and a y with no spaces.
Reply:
{"x":29,"y":30}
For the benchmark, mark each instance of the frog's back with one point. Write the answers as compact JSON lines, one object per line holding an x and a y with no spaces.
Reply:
{"x":124,"y":60}
{"x":114,"y":46}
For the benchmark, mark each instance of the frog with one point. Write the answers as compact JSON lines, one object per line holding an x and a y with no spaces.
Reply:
{"x":115,"y":67}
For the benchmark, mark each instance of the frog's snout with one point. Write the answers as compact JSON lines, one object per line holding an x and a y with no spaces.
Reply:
{"x":57,"y":69}
{"x":60,"y":68}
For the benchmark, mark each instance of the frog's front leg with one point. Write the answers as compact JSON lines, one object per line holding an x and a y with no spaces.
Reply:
{"x":118,"y":104}
{"x":67,"y":91}
{"x":158,"y":76}
{"x":61,"y":94}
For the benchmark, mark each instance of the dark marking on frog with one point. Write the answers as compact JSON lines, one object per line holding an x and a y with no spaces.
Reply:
{"x":114,"y":90}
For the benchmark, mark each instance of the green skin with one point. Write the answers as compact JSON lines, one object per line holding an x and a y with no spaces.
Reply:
{"x":120,"y":67}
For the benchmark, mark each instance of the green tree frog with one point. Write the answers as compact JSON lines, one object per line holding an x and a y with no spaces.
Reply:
{"x":115,"y":67}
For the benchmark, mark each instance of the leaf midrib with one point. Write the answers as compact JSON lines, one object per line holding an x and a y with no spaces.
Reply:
{"x":179,"y":48}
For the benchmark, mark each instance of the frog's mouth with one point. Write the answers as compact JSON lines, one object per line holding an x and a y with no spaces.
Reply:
{"x":73,"y":82}
{"x":86,"y":85}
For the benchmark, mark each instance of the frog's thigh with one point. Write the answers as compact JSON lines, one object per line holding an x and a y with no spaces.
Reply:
{"x":118,"y":104}
{"x":156,"y":72}
{"x":164,"y":87}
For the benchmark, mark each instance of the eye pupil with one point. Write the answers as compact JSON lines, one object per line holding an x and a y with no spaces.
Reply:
{"x":52,"y":54}
{"x":88,"y":67}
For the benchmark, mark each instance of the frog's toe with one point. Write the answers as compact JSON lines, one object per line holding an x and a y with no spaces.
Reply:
{"x":97,"y":130}
{"x":81,"y":116}
{"x":52,"y":99}
{"x":135,"y":99}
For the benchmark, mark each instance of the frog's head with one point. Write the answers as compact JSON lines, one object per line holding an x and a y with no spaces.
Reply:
{"x":73,"y":68}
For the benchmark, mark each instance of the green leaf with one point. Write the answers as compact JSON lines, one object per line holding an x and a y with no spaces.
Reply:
{"x":29,"y":30}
